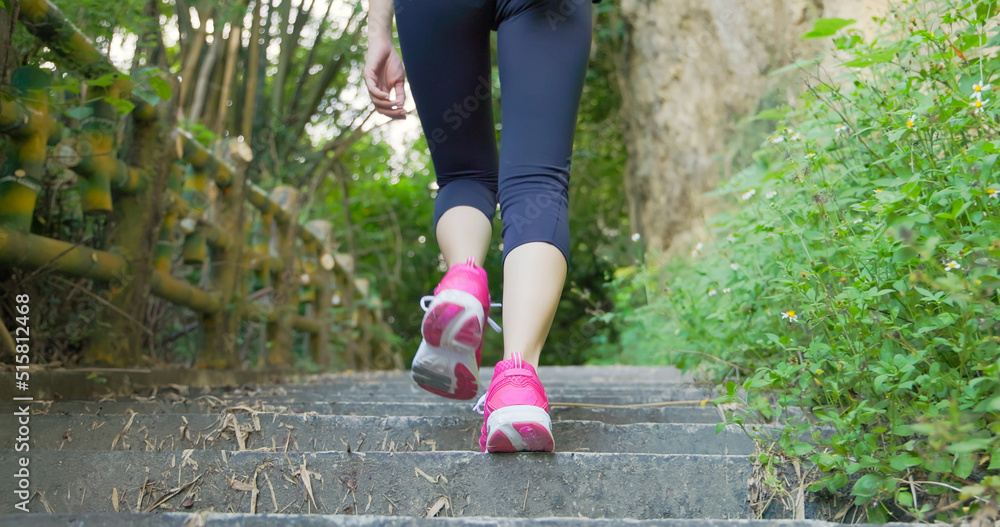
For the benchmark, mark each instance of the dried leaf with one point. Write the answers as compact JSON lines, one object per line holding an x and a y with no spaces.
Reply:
{"x":239,"y":485}
{"x":421,"y":473}
{"x":114,"y":498}
{"x":305,"y":475}
{"x":441,"y":503}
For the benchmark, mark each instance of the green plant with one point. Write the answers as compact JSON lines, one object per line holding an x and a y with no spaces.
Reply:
{"x":857,"y":277}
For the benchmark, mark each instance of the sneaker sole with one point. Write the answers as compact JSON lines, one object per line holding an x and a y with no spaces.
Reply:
{"x":452,"y":330}
{"x":519,"y":428}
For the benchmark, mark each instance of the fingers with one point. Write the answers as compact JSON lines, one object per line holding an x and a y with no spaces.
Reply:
{"x":376,"y":80}
{"x":371,"y":82}
{"x":400,"y":93}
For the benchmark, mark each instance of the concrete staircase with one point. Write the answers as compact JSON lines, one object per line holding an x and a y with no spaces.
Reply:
{"x":373,"y":449}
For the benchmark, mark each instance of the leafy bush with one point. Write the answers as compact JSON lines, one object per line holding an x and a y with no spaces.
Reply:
{"x":857,"y":274}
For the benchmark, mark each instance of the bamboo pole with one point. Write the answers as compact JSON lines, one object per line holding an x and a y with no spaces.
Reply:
{"x":32,"y":252}
{"x":30,"y":125}
{"x":319,"y":343}
{"x":50,"y":25}
{"x":218,"y":348}
{"x":133,"y":235}
{"x":175,"y":208}
{"x":279,"y":334}
{"x":253,"y":59}
{"x":99,"y":162}
{"x":195,"y":248}
{"x":232,"y":54}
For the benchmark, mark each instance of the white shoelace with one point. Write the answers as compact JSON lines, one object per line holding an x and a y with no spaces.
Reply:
{"x":480,"y":407}
{"x":425,"y":304}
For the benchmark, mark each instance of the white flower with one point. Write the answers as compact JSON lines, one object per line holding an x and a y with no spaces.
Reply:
{"x":749,"y":194}
{"x":810,"y":155}
{"x":771,"y":194}
{"x":636,"y":236}
{"x":992,"y":193}
{"x":777,"y":139}
{"x":795,"y":136}
{"x":711,"y":292}
{"x":731,"y":238}
{"x":859,"y":220}
{"x":911,"y":121}
{"x":697,"y":250}
{"x":790,"y":315}
{"x":952,"y":265}
{"x":725,"y":289}
{"x":841,"y":128}
{"x":734,"y":266}
{"x":978,"y":89}
{"x":978,"y":105}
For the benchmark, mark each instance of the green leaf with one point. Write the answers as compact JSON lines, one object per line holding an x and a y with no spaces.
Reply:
{"x":801,"y":449}
{"x":964,"y":465}
{"x":104,"y":81}
{"x":80,"y":112}
{"x":904,"y":498}
{"x":875,"y":57}
{"x":161,"y":87}
{"x":797,"y":65}
{"x":904,"y":461}
{"x":770,"y":114}
{"x":826,"y":27}
{"x":122,"y":106}
{"x":867,"y":486}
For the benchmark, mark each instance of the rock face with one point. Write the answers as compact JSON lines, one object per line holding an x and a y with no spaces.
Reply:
{"x":691,"y":70}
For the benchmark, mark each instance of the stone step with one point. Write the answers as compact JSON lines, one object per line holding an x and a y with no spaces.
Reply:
{"x":443,"y":408}
{"x":579,"y":374}
{"x":415,"y":394}
{"x":409,"y":387}
{"x":592,"y":485}
{"x":362,"y":434}
{"x":180,"y":519}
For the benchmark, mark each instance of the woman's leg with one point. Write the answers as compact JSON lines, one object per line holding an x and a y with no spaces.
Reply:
{"x":543,"y":48}
{"x":445,"y":46}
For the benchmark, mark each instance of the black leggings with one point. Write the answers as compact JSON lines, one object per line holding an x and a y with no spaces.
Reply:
{"x":543,"y":47}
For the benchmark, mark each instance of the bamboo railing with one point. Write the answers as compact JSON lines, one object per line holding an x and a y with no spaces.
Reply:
{"x":163,"y":188}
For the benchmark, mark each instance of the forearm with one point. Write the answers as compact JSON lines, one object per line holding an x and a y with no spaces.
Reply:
{"x":380,"y":14}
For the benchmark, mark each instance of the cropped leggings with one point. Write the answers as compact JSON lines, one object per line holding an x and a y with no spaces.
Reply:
{"x":543,"y":47}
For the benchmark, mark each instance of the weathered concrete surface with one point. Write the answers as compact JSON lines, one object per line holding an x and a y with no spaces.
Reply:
{"x":578,"y":374}
{"x":297,"y":433}
{"x":442,"y":408}
{"x":620,"y":397}
{"x":641,"y":486}
{"x":55,"y":384}
{"x":82,"y":384}
{"x":173,"y":519}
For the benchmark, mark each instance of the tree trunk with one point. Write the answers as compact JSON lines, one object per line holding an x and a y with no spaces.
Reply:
{"x":250,"y":80}
{"x":205,"y":74}
{"x":8,"y":59}
{"x":690,"y":70}
{"x":232,"y":54}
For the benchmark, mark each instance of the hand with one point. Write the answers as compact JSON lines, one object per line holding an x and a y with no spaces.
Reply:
{"x":383,"y":72}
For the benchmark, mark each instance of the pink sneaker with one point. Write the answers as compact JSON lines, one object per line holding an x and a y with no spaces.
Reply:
{"x":447,"y":361}
{"x":515,"y":411}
